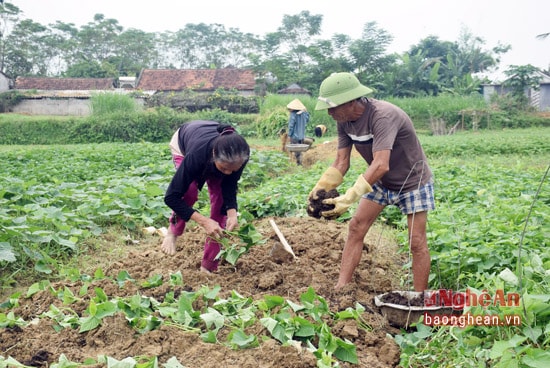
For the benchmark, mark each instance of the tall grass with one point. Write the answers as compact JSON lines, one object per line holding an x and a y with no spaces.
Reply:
{"x":424,"y":111}
{"x":108,"y":103}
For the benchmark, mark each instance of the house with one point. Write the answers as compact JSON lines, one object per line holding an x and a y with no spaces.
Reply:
{"x":198,"y":80}
{"x":190,"y":89}
{"x":540,"y":98}
{"x":127,"y":82}
{"x":294,"y":89}
{"x":63,"y":84}
{"x":5,"y":83}
{"x":71,"y":96}
{"x":59,"y":96}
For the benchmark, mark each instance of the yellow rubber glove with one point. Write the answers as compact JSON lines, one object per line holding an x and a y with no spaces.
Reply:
{"x":330,"y":180}
{"x":343,"y":202}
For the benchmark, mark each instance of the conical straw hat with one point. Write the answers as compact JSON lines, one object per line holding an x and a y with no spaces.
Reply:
{"x":296,"y":104}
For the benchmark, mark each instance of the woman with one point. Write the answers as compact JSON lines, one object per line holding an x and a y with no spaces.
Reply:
{"x":212,"y":153}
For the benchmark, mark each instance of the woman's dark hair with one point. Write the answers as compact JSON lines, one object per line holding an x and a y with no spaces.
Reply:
{"x":230,"y":146}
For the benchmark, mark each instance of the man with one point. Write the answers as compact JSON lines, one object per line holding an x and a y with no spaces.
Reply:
{"x":397,"y":173}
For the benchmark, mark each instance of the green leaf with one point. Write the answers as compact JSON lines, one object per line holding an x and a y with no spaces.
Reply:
{"x":238,"y":339}
{"x":68,"y":296}
{"x":100,"y":295}
{"x":309,"y":296}
{"x":6,"y":252}
{"x":508,"y":276}
{"x":176,"y":279}
{"x":10,"y":362}
{"x":211,"y":294}
{"x":89,"y":323}
{"x":63,"y":362}
{"x":153,"y":281}
{"x":128,"y":362}
{"x":98,"y":274}
{"x":43,"y":267}
{"x":346,"y":351}
{"x":537,"y":358}
{"x":151,"y":362}
{"x":209,"y":336}
{"x":122,"y":277}
{"x":304,"y":327}
{"x":295,"y":307}
{"x":213,"y":317}
{"x":36,"y":287}
{"x":275,"y":328}
{"x":273,"y":301}
{"x":173,"y":363}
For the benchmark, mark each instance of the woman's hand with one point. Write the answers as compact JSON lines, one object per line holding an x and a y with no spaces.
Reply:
{"x":232,"y":221}
{"x":211,"y":227}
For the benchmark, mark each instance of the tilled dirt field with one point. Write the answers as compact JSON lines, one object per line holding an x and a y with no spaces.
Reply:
{"x":317,"y":245}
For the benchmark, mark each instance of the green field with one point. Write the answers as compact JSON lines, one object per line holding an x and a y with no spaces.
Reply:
{"x":489,"y":232}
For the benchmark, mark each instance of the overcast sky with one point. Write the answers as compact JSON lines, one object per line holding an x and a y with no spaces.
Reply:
{"x":516,"y":23}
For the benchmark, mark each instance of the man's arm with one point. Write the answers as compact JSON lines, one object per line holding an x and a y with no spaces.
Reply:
{"x":342,"y":161}
{"x":379,"y":166}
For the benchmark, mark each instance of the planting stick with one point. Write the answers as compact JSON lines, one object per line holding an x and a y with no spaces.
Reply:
{"x":282,"y":238}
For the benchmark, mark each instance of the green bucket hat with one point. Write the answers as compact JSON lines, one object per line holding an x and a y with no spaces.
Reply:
{"x":338,"y":89}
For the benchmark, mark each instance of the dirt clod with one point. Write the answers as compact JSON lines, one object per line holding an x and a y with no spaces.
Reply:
{"x":316,"y":206}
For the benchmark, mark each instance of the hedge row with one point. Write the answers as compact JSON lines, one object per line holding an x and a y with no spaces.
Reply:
{"x":156,"y":125}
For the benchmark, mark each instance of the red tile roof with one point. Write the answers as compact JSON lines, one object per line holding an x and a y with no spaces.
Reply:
{"x":57,"y":84}
{"x":196,"y":79}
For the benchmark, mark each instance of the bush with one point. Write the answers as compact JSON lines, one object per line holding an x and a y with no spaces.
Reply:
{"x":222,"y":99}
{"x":9,"y":99}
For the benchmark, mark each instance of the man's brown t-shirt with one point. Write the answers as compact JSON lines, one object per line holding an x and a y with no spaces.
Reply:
{"x":384,"y":126}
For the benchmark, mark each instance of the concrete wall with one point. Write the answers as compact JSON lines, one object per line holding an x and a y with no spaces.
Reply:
{"x":4,"y":83}
{"x":58,"y":106}
{"x":544,"y":103}
{"x":50,"y":106}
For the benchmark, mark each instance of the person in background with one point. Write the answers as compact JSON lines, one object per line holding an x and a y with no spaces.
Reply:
{"x":320,"y":130}
{"x":397,"y":173}
{"x":298,"y":119}
{"x":215,"y":154}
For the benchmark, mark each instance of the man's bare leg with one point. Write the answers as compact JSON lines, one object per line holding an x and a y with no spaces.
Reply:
{"x":364,"y":217}
{"x":419,"y":249}
{"x":169,"y":243}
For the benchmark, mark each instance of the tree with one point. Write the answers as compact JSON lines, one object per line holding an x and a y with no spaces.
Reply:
{"x":368,"y":54}
{"x":520,"y":80}
{"x":9,"y":15}
{"x":86,"y":69}
{"x":471,"y":58}
{"x":28,"y":49}
{"x":62,"y":38}
{"x":209,"y":46}
{"x":96,"y":44}
{"x":296,"y":37}
{"x":459,"y":62}
{"x":135,"y":50}
{"x":412,"y":75}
